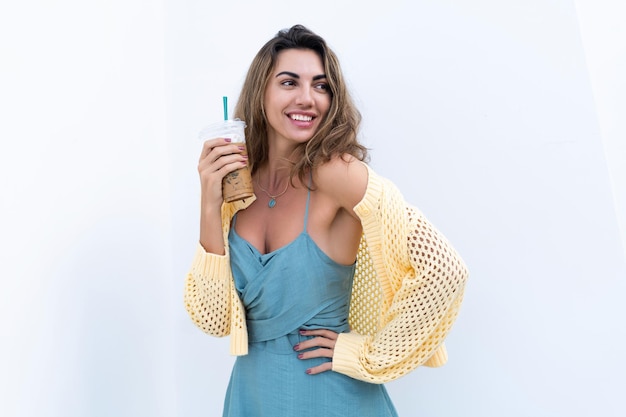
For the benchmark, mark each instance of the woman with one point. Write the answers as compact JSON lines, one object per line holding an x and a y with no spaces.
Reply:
{"x":328,"y":283}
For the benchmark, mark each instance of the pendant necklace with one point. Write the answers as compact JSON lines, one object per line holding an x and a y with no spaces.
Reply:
{"x":273,"y":198}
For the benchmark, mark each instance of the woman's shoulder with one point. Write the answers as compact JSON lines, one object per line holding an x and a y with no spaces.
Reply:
{"x":340,"y":165}
{"x":344,"y":177}
{"x":341,"y":168}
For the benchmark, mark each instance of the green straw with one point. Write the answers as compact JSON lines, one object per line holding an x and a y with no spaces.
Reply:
{"x":225,"y":99}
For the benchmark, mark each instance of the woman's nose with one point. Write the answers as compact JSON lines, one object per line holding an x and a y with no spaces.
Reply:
{"x":305,"y":97}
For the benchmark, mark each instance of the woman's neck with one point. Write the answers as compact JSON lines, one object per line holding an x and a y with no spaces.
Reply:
{"x":277,"y":168}
{"x":274,"y":173}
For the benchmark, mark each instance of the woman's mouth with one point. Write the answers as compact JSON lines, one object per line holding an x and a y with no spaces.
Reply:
{"x":300,"y":117}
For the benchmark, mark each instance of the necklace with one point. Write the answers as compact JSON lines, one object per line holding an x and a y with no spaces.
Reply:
{"x":273,"y":198}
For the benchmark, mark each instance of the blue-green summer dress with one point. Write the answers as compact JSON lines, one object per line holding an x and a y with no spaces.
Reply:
{"x":295,"y":287}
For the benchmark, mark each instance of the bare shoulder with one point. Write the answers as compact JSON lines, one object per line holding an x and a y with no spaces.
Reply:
{"x":344,"y":179}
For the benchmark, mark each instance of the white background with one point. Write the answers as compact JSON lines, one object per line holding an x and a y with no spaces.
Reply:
{"x":503,"y":122}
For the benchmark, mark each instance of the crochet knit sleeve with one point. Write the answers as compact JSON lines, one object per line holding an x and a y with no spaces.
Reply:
{"x":420,"y":280}
{"x":207,"y":292}
{"x":210,"y":296}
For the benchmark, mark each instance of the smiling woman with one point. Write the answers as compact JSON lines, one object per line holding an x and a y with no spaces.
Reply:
{"x":318,"y":314}
{"x":297,"y":97}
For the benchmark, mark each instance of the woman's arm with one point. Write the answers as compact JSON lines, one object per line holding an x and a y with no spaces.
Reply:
{"x":208,"y":292}
{"x":422,"y":281}
{"x":210,"y":297}
{"x":421,"y":278}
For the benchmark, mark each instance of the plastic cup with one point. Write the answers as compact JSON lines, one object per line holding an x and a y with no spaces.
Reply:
{"x":237,"y":185}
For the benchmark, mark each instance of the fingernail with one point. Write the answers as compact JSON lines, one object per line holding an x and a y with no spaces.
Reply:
{"x":296,"y":347}
{"x":308,"y":371}
{"x":300,"y":355}
{"x":228,"y":139}
{"x":302,"y":331}
{"x":241,"y":148}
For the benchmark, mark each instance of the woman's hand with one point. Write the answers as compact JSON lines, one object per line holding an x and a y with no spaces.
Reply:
{"x":218,"y":158}
{"x":322,"y":346}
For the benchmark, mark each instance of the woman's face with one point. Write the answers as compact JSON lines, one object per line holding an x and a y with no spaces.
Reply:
{"x":297,"y":96}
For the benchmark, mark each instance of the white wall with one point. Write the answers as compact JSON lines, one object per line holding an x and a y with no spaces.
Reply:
{"x":500,"y":118}
{"x":603,"y":33}
{"x":85,"y":259}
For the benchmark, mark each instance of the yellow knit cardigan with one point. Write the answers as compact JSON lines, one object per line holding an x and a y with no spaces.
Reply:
{"x":408,"y":287}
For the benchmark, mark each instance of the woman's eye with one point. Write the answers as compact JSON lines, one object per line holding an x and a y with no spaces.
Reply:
{"x":288,"y":83}
{"x":322,"y":86}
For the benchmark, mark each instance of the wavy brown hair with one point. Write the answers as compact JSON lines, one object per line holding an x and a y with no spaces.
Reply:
{"x":337,"y":134}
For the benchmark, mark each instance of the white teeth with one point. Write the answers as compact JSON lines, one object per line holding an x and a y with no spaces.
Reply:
{"x":301,"y":117}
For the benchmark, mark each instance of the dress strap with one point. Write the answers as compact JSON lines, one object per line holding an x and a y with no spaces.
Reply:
{"x":308,"y":198}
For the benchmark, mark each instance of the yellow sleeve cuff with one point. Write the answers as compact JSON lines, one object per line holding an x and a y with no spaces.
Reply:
{"x":347,"y":354}
{"x":209,"y":264}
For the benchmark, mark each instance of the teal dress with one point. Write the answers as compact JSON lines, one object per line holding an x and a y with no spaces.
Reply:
{"x":295,"y":287}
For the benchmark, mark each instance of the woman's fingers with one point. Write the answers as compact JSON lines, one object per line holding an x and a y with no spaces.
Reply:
{"x":323,"y":338}
{"x":327,"y":366}
{"x":218,"y":158}
{"x":214,"y":149}
{"x":320,"y":346}
{"x":221,"y":165}
{"x":316,"y":353}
